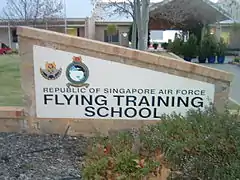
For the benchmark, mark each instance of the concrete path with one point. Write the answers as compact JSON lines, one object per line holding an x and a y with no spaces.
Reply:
{"x":235,"y":70}
{"x":235,"y":86}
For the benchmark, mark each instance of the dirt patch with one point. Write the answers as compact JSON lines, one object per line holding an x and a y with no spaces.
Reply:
{"x":41,"y":157}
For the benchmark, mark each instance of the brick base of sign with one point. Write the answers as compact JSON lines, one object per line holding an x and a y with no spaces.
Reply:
{"x":12,"y":119}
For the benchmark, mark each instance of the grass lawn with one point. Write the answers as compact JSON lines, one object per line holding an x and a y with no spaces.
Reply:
{"x":233,"y":105}
{"x":163,"y":53}
{"x":10,"y":85}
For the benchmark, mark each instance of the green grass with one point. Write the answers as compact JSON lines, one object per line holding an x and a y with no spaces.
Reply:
{"x":10,"y":85}
{"x":163,"y":53}
{"x":232,"y":105}
{"x":233,"y":108}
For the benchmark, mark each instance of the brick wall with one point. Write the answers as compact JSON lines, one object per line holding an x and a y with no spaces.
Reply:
{"x":12,"y":119}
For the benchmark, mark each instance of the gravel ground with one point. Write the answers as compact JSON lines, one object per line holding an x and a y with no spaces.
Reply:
{"x":40,"y":157}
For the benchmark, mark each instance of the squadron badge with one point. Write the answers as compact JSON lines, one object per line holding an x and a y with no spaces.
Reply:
{"x":77,"y":73}
{"x":50,"y":72}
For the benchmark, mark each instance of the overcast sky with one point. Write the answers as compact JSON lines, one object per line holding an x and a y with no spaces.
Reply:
{"x":76,"y":8}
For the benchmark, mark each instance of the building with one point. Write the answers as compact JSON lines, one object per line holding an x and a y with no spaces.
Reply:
{"x":223,"y":17}
{"x":82,"y":27}
{"x":229,"y":30}
{"x":165,"y":15}
{"x":232,"y":7}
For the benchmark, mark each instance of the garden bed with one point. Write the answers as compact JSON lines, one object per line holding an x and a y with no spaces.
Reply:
{"x":202,"y":145}
{"x":41,"y":157}
{"x":235,"y":63}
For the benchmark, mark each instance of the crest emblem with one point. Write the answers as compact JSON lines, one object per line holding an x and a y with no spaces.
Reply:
{"x":51,"y":72}
{"x":77,"y":73}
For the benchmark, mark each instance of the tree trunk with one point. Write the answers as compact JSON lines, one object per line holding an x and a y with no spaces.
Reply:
{"x":46,"y":25}
{"x":203,"y":32}
{"x":134,"y":27}
{"x":140,"y":25}
{"x":145,"y":20}
{"x":134,"y":35}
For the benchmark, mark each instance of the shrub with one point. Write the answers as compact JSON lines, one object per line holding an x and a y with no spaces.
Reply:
{"x":236,"y":59}
{"x":203,"y":47}
{"x":189,"y":48}
{"x":111,"y":31}
{"x":211,"y":44}
{"x":221,"y":47}
{"x":14,"y":51}
{"x":155,"y":45}
{"x":112,"y":157}
{"x":201,"y":145}
{"x":176,"y":46}
{"x":164,"y":45}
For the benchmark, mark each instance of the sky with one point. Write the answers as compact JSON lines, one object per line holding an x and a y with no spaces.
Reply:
{"x":76,"y":8}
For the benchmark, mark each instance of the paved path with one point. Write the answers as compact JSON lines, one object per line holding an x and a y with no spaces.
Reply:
{"x":235,"y":70}
{"x":235,"y":86}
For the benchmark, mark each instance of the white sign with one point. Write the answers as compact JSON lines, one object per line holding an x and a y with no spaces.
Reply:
{"x":69,"y":85}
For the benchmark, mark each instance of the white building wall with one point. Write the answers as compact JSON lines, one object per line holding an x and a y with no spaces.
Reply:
{"x":4,"y":37}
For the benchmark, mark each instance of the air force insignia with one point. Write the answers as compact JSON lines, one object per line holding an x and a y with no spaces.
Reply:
{"x":51,"y":72}
{"x":77,"y":73}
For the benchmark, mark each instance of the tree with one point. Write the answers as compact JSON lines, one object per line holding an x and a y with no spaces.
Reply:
{"x":130,"y":36}
{"x":138,"y":10}
{"x":111,"y":30}
{"x":121,"y":8}
{"x":32,"y":10}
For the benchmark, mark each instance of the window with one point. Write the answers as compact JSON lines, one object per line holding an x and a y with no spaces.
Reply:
{"x":156,"y":35}
{"x":115,"y":38}
{"x":14,"y":35}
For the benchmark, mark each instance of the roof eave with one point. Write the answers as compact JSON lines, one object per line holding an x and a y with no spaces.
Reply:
{"x":224,"y":15}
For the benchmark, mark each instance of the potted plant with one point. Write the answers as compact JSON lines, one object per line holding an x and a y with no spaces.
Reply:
{"x":202,"y":57}
{"x":203,"y":49}
{"x":155,"y":45}
{"x":186,"y":53}
{"x":221,"y":49}
{"x":189,"y":48}
{"x":176,"y":46}
{"x":211,"y":46}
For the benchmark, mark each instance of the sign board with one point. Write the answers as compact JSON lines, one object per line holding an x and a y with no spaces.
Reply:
{"x":69,"y":85}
